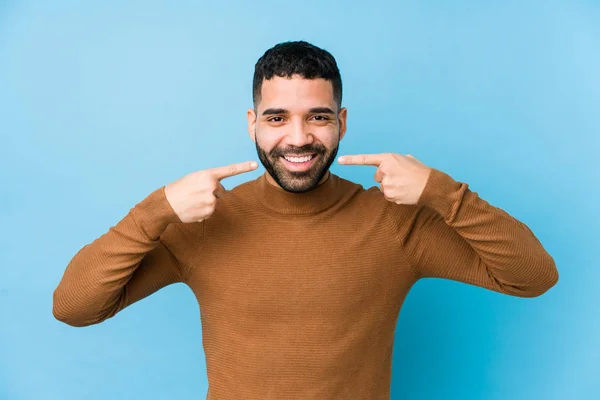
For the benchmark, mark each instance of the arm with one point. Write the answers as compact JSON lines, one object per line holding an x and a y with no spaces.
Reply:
{"x":452,"y":233}
{"x":124,"y":265}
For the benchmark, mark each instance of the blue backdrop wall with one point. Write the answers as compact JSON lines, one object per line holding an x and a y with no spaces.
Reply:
{"x":102,"y":102}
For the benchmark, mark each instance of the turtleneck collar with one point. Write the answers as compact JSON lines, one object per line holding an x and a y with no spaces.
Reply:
{"x":281,"y":201}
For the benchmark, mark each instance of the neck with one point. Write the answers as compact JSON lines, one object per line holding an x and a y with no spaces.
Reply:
{"x":272,"y":197}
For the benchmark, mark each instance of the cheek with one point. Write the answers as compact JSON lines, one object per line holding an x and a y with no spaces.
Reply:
{"x":330,"y":140}
{"x":327,"y":135}
{"x":267,"y":142}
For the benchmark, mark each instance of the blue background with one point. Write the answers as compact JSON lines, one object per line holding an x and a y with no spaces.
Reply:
{"x":101,"y":103}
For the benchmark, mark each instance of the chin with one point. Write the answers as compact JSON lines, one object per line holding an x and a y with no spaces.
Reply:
{"x":295,"y":183}
{"x":294,"y":189}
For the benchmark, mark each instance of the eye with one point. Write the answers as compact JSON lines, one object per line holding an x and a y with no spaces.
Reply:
{"x":273,"y":119}
{"x":322,"y":118}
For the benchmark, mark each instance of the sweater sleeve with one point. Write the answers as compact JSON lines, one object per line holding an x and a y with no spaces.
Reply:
{"x":452,"y":233}
{"x":124,"y":265}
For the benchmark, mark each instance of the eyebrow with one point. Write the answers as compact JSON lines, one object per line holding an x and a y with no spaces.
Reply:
{"x":316,"y":110}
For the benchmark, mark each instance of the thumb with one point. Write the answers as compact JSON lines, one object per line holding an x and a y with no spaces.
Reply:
{"x":220,"y":191}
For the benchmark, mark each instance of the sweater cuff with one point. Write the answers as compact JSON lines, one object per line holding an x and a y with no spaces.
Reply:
{"x":155,"y":213}
{"x":440,"y":193}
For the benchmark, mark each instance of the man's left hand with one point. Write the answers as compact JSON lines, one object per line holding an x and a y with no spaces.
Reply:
{"x":402,"y":178}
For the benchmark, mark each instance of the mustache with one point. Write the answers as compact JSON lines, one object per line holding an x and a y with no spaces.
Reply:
{"x":299,"y":151}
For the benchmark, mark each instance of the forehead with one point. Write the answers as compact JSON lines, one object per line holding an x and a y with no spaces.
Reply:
{"x":296,"y":93}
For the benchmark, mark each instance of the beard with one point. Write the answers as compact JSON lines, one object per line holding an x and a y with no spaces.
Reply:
{"x":297,"y":181}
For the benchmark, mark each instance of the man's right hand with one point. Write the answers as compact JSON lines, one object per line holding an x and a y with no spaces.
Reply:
{"x":194,"y":196}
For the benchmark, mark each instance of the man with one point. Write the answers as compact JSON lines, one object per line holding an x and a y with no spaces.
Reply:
{"x":300,"y":274}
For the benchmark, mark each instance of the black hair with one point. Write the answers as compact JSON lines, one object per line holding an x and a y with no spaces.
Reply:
{"x":301,"y":58}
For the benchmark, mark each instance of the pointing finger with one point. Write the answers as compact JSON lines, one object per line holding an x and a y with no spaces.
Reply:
{"x":362,"y":159}
{"x":233,"y":169}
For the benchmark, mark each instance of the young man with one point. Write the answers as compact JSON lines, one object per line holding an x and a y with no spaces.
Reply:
{"x":300,"y":274}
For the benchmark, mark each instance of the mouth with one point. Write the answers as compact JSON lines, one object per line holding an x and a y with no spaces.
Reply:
{"x":296,"y":163}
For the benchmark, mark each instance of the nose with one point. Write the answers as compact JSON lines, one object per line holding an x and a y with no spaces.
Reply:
{"x":300,"y":134}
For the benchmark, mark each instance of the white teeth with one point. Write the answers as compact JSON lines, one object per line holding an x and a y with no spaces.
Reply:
{"x":299,"y":159}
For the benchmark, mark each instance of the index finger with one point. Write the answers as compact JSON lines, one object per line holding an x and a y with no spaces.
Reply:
{"x":362,"y":159}
{"x":233,"y":169}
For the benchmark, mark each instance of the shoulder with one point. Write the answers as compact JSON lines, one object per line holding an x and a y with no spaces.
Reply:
{"x":369,"y":201}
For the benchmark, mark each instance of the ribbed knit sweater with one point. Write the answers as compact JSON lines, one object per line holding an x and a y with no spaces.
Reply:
{"x":299,"y":294}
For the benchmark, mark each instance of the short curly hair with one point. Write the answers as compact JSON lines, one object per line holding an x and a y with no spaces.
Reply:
{"x":298,"y":57}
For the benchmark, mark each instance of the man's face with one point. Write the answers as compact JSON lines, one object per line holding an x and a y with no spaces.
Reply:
{"x":297,"y":117}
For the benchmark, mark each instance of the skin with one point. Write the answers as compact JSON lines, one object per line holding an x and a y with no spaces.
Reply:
{"x":295,"y":129}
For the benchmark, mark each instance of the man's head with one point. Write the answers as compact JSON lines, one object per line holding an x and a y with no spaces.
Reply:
{"x":297,"y":96}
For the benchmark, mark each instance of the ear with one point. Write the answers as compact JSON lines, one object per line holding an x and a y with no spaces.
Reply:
{"x":251,"y":115}
{"x":342,"y":121}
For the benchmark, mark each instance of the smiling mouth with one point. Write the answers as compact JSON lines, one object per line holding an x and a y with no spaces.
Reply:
{"x":299,"y":159}
{"x":299,"y":163}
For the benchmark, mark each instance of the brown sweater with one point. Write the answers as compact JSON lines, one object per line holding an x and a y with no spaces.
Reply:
{"x":299,"y":294}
